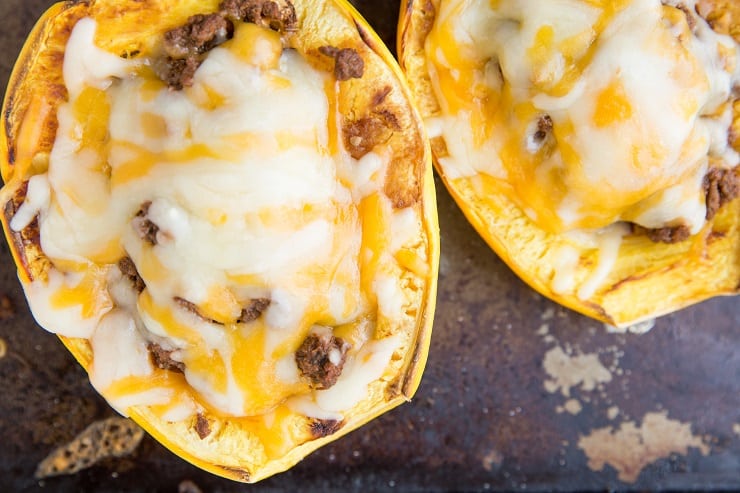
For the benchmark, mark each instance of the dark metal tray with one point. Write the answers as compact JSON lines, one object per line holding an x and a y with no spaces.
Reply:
{"x":518,"y":394}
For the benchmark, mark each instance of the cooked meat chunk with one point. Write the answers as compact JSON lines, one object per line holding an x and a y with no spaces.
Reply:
{"x":544,"y":126}
{"x":193,"y":308}
{"x":254,"y":310}
{"x":146,"y":228}
{"x":161,"y":358}
{"x":321,"y":359}
{"x":202,"y":426}
{"x":348,"y":64}
{"x":184,"y":46}
{"x":720,"y":186}
{"x":200,"y":34}
{"x":669,"y":235}
{"x":279,"y":17}
{"x":178,"y":73}
{"x":128,"y":269}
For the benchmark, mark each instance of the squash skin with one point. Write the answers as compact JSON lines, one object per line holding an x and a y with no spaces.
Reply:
{"x":649,"y":279}
{"x":36,"y":89}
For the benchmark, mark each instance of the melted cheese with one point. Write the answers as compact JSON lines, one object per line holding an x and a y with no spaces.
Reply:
{"x":253,"y":197}
{"x":638,"y":104}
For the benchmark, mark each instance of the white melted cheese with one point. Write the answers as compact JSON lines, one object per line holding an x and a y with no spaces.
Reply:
{"x":638,"y":105}
{"x":249,"y":203}
{"x":89,"y":65}
{"x":120,"y":351}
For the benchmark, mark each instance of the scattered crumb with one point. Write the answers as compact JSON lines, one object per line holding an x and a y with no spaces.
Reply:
{"x":491,"y":459}
{"x":630,"y":448}
{"x":6,"y":307}
{"x":543,"y":330}
{"x":567,"y":371}
{"x":112,"y":437}
{"x":612,"y":412}
{"x":3,"y":348}
{"x":573,"y":406}
{"x":188,"y":486}
{"x":638,"y":328}
{"x":736,"y":428}
{"x":548,"y":314}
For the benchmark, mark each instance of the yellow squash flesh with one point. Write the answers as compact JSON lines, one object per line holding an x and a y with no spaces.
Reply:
{"x":243,"y":449}
{"x":648,"y":279}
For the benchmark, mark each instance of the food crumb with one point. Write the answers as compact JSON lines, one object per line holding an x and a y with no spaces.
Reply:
{"x":112,"y":437}
{"x":188,"y":486}
{"x":3,"y":348}
{"x":639,"y":328}
{"x":491,"y":459}
{"x":7,"y":310}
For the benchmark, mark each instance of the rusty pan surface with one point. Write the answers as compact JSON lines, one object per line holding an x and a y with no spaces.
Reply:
{"x":518,"y":394}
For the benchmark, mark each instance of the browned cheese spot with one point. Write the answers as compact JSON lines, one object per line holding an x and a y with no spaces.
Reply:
{"x":321,"y":428}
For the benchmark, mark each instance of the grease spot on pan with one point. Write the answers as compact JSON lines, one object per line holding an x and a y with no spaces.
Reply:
{"x":631,"y":447}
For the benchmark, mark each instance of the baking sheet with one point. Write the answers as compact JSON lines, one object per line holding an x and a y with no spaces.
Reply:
{"x":518,"y":394}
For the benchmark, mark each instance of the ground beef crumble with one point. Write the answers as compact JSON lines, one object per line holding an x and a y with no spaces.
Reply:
{"x":144,"y":226}
{"x":162,"y":358}
{"x":254,"y":310}
{"x":720,"y":186}
{"x":202,"y":426}
{"x":321,"y":359}
{"x":185,"y":46}
{"x":128,"y":269}
{"x":348,"y":64}
{"x":200,"y":34}
{"x":179,"y":73}
{"x":265,"y":13}
{"x":674,"y":234}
